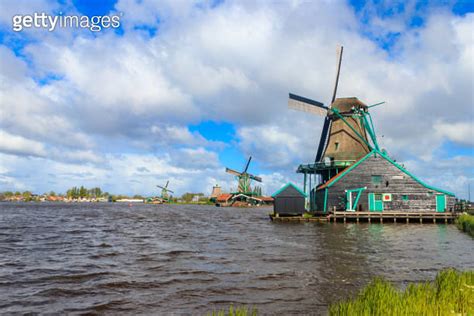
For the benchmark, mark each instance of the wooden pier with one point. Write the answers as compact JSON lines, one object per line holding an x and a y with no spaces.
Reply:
{"x":374,"y":217}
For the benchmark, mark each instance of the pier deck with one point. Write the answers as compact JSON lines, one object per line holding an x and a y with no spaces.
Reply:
{"x":377,"y":217}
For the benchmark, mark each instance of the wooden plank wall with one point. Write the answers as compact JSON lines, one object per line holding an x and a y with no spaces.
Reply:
{"x":394,"y":181}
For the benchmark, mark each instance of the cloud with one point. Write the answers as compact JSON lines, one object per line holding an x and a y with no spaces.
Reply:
{"x":18,"y":145}
{"x":85,"y":98}
{"x":461,"y":132}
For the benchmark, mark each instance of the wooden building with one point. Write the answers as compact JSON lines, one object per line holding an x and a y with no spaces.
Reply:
{"x":376,"y":183}
{"x":289,"y":200}
{"x":351,"y":173}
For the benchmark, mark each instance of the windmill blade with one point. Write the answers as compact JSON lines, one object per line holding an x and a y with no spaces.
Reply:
{"x":380,"y":103}
{"x":159,"y":186}
{"x":303,"y":104}
{"x":167,"y":182}
{"x":231,"y":171}
{"x":339,"y":51}
{"x":169,"y":191}
{"x":247,"y":166}
{"x":322,"y":141}
{"x":258,"y":179}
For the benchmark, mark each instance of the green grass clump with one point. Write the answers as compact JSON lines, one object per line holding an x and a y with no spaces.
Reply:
{"x":452,"y":292}
{"x":465,"y":222}
{"x":235,"y":311}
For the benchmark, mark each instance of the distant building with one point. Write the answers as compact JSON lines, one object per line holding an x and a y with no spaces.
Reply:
{"x":216,"y":191}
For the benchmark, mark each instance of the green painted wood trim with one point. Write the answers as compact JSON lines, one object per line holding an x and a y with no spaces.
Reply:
{"x":371,"y":131}
{"x":371,"y":202}
{"x":374,"y":151}
{"x":325,"y":200}
{"x":441,"y":204}
{"x":286,"y":186}
{"x":413,"y":176}
{"x":349,"y":170}
{"x":350,"y":126}
{"x":358,"y":196}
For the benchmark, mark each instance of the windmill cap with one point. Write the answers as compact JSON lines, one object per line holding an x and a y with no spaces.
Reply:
{"x":346,"y":104}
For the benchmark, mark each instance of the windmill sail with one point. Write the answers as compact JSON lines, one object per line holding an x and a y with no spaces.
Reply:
{"x":303,"y":104}
{"x":258,"y":179}
{"x":244,"y":178}
{"x":339,"y":51}
{"x":233,"y":172}
{"x":323,"y":141}
{"x":247,"y":166}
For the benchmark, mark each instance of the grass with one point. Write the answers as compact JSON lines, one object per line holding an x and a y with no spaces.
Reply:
{"x":465,"y":223}
{"x":237,"y":311}
{"x":451,"y":293}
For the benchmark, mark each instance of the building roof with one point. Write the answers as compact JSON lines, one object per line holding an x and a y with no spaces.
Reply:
{"x":285,"y":187}
{"x":336,"y":177}
{"x":346,"y":104}
{"x":341,"y":174}
{"x":265,"y":198}
{"x":224,"y":197}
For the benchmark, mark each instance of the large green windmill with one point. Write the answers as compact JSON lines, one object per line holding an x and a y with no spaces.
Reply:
{"x":244,"y":179}
{"x":164,"y":191}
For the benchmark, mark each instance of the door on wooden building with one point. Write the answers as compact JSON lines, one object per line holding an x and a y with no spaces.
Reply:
{"x":440,"y":203}
{"x":375,"y":202}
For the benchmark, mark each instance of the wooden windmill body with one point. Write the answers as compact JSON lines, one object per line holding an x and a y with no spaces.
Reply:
{"x":347,"y":134}
{"x":351,"y":173}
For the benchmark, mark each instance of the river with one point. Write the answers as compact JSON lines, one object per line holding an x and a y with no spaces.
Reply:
{"x":113,"y":258}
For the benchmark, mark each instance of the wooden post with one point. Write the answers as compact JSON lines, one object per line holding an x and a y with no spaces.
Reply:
{"x":395,"y":219}
{"x":408,"y":220}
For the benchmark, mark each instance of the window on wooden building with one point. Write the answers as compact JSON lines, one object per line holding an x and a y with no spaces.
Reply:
{"x":404,"y":197}
{"x":336,"y":145}
{"x":376,"y":180}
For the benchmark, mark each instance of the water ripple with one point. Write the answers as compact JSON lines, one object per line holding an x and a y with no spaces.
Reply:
{"x":167,"y":259}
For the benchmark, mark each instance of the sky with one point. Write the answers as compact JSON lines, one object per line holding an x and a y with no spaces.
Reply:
{"x":183,"y":89}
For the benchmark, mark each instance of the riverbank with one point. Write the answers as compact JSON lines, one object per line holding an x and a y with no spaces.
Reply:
{"x":452,"y":292}
{"x":465,"y":223}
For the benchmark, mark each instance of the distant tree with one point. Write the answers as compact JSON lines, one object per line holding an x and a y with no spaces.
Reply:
{"x":17,"y":193}
{"x":52,"y":193}
{"x":27,"y":196}
{"x":97,"y":192}
{"x":82,"y":192}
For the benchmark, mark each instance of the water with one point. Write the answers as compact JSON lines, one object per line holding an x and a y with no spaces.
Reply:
{"x":162,"y":259}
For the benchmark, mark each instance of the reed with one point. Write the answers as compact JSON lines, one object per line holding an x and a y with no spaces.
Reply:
{"x":465,"y":222}
{"x":452,"y":292}
{"x":235,"y":311}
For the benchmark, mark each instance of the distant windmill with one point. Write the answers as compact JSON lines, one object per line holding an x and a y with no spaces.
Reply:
{"x":244,"y":179}
{"x":164,"y":191}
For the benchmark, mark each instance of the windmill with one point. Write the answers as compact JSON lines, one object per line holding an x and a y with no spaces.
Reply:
{"x":347,"y":122}
{"x":164,"y":191}
{"x":244,"y":179}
